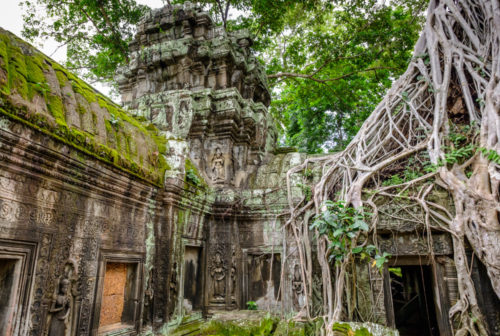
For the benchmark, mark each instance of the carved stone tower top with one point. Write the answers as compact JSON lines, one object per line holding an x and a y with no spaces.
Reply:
{"x":204,"y":90}
{"x":179,"y":47}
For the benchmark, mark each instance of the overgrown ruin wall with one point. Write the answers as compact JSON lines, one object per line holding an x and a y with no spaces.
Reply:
{"x":115,"y":220}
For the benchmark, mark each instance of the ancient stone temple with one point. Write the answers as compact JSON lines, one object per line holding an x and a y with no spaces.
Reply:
{"x":120,"y":220}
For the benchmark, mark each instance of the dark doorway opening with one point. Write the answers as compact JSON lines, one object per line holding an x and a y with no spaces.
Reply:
{"x":413,"y":301}
{"x":8,"y":289}
{"x":264,"y":270}
{"x":192,"y":278}
{"x":488,"y":301}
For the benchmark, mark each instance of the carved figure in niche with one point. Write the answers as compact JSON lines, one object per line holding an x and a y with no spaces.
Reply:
{"x":185,"y":74}
{"x":297,"y":287}
{"x":249,"y":86}
{"x":173,"y":283}
{"x":218,"y":274}
{"x":198,"y":71}
{"x":218,"y":166}
{"x":186,"y":29}
{"x":61,"y":310}
{"x":66,"y":303}
{"x":236,"y":79}
{"x":260,"y":133}
{"x":196,"y":152}
{"x":183,"y":112}
{"x":148,"y":297}
{"x":233,"y":273}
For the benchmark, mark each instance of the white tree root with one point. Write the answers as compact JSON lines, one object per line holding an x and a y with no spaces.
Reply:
{"x":457,"y":57}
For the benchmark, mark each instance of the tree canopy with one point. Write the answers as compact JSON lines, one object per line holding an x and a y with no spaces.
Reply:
{"x":328,"y":62}
{"x":95,"y":32}
{"x":331,"y":66}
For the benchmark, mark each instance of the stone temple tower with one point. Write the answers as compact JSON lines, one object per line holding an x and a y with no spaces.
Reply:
{"x":204,"y":90}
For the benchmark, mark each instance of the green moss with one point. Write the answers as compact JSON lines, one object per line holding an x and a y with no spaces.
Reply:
{"x":181,"y":216}
{"x":75,"y":139}
{"x":291,"y":328}
{"x":186,"y":329}
{"x":86,"y":92}
{"x":4,"y":68}
{"x":128,"y":145}
{"x":82,"y":110}
{"x":22,"y":70}
{"x":56,"y":108}
{"x":264,"y":327}
{"x":17,"y":76}
{"x":62,"y":78}
{"x":285,"y":150}
{"x":345,"y":329}
{"x":34,"y":66}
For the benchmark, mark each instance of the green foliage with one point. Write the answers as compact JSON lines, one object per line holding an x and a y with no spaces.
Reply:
{"x":308,"y":173}
{"x":95,"y":32}
{"x":415,"y":167}
{"x":345,"y":329}
{"x":342,"y":54}
{"x":193,"y":175}
{"x":396,"y":271}
{"x":331,"y":65}
{"x":342,"y":225}
{"x":393,"y":180}
{"x":192,"y":178}
{"x":460,"y":145}
{"x":381,"y":259}
{"x":252,"y":305}
{"x":491,"y":155}
{"x":114,"y":120}
{"x":264,"y":327}
{"x":262,"y":17}
{"x":306,"y":191}
{"x":460,"y":154}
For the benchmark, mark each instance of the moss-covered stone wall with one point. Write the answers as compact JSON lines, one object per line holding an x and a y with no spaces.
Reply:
{"x":37,"y":91}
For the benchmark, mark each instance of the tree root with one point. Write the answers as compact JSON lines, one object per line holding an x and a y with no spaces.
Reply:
{"x":458,"y":52}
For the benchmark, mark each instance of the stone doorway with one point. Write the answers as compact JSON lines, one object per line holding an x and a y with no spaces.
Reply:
{"x":262,"y":279}
{"x":16,"y":269}
{"x":192,"y":279}
{"x":413,"y":300}
{"x":9,"y":282}
{"x":119,"y":292}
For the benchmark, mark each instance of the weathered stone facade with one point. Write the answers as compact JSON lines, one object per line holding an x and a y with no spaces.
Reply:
{"x":122,"y":220}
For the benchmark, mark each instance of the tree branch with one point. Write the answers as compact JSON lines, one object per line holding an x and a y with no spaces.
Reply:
{"x":323,"y":81}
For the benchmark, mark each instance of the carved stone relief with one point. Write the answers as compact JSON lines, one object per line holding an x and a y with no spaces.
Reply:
{"x":298,"y":288}
{"x":64,"y":305}
{"x":173,"y":285}
{"x":218,"y":166}
{"x":218,"y":272}
{"x":234,"y":274}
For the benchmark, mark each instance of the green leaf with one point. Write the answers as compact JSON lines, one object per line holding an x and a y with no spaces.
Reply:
{"x":357,"y":250}
{"x":338,"y":232}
